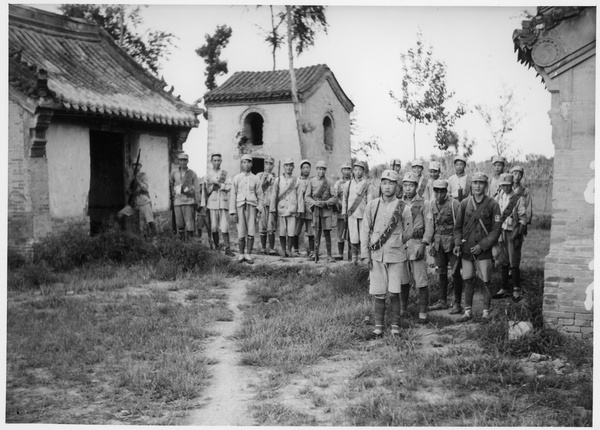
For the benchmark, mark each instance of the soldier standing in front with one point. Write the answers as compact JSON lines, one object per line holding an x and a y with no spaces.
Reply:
{"x":218,"y":186}
{"x":341,"y":220}
{"x":304,"y":217}
{"x":286,"y":202}
{"x":185,"y":189}
{"x":267,"y":223}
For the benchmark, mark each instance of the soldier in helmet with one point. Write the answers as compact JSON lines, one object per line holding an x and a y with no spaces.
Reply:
{"x":420,"y":225}
{"x":287,"y":200}
{"x":498,"y":163}
{"x":417,"y":168}
{"x":341,"y":221}
{"x":459,"y":184}
{"x":304,"y":216}
{"x":186,"y":192}
{"x":320,"y":198}
{"x":396,"y":166}
{"x":479,"y":223}
{"x":434,"y":175}
{"x":356,"y":195}
{"x":382,"y":237}
{"x":446,"y":245}
{"x":267,"y":223}
{"x":218,"y":186}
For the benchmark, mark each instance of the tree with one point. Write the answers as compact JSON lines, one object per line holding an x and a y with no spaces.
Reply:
{"x":211,"y":52}
{"x":272,"y":36}
{"x":362,"y":148}
{"x":121,"y":22}
{"x":424,"y":94}
{"x":501,"y":120}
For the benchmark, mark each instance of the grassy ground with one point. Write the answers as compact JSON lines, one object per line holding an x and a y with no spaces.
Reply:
{"x":306,"y":335}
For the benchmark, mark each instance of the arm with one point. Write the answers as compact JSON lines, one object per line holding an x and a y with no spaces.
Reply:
{"x":528,"y":206}
{"x":332,"y":200}
{"x":492,"y":237}
{"x":308,"y":198}
{"x":197,"y":190}
{"x":260,"y":196}
{"x":428,"y":219}
{"x":300,"y":198}
{"x":233,"y":198}
{"x":364,"y":232}
{"x":273,"y":199}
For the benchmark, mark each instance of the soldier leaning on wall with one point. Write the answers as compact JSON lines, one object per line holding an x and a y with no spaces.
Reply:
{"x":142,"y":199}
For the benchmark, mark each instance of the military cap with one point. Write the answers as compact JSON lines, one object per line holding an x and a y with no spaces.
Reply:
{"x":506,"y":179}
{"x":183,"y":156}
{"x":322,"y":164}
{"x":417,"y":162}
{"x":498,"y":159}
{"x":305,"y":161}
{"x":460,"y":158}
{"x":391,"y":175}
{"x":441,"y":184}
{"x":396,"y":161}
{"x":360,"y":164}
{"x":269,"y":158}
{"x":246,"y":157}
{"x":287,"y":161}
{"x":480,"y":177}
{"x":517,"y":169}
{"x":434,"y":165}
{"x":411,"y":177}
{"x":212,"y":154}
{"x":346,"y":166}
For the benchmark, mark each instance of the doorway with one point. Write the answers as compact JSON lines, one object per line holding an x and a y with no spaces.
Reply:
{"x":107,"y":189}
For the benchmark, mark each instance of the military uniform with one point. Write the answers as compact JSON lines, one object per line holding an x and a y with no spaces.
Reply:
{"x":459,"y":187}
{"x":338,"y":189}
{"x":356,"y":195}
{"x":288,"y":202}
{"x":304,"y":217}
{"x":186,"y":192}
{"x":493,"y":188}
{"x":267,"y":222}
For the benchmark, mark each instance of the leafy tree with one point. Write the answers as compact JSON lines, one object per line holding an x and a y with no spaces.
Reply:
{"x":121,"y":22}
{"x":272,"y":36}
{"x":424,"y":94}
{"x":501,"y":120}
{"x":211,"y":52}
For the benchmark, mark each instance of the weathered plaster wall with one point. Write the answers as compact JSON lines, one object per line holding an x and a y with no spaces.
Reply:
{"x":155,"y":163}
{"x":68,"y":155}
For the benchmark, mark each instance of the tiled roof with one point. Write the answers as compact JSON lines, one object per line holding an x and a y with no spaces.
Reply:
{"x":86,"y":71}
{"x":245,"y":87}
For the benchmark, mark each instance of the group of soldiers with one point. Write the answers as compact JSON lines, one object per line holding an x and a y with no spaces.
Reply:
{"x":466,"y":223}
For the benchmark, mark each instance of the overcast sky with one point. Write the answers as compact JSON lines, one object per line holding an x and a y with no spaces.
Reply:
{"x":362,"y":48}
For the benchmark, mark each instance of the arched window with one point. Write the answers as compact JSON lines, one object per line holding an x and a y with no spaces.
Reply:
{"x":253,"y":128}
{"x":328,"y":133}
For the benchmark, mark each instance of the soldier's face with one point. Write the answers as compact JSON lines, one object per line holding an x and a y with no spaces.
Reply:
{"x":321,"y":172}
{"x":305,"y":169}
{"x":216,"y":162}
{"x":478,"y":187}
{"x":417,"y":170}
{"x":459,"y":166}
{"x":388,"y":188}
{"x":268,"y":166}
{"x":507,"y":188}
{"x":346,"y":172}
{"x":435,"y":174}
{"x":288,"y":168}
{"x":517,"y":176}
{"x":410,"y":189}
{"x":498,"y":167}
{"x":358,"y":172}
{"x":246,"y":165}
{"x":440,"y":194}
{"x":397,"y":168}
{"x":183,"y":162}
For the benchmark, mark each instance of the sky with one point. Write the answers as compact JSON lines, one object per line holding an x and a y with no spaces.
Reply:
{"x":362,"y":47}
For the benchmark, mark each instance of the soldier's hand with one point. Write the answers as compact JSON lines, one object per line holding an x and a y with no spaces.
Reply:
{"x":420,"y":253}
{"x":456,"y":251}
{"x":234,"y":217}
{"x":476,"y":250}
{"x":367,"y":262}
{"x":431,"y":251}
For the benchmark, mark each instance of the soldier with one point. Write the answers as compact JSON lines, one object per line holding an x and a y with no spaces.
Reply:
{"x":514,"y":216}
{"x":518,"y":172}
{"x":142,"y":199}
{"x":498,"y":163}
{"x":479,"y":224}
{"x":396,"y":167}
{"x":245,"y":205}
{"x":218,"y":186}
{"x":356,"y":195}
{"x":459,"y":184}
{"x":186,"y":193}
{"x":417,"y":168}
{"x":304,"y":217}
{"x":446,"y":245}
{"x":286,"y":202}
{"x":434,"y":175}
{"x":267,"y":222}
{"x":420,"y":225}
{"x":382,"y":239}
{"x":341,"y":221}
{"x":320,"y":197}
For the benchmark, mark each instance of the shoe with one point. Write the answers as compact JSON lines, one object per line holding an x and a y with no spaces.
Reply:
{"x":273,"y":252}
{"x":456,"y":309}
{"x":486,"y":315}
{"x":468,"y":315}
{"x":229,"y":252}
{"x":241,"y":258}
{"x":367,"y":320}
{"x":283,"y":254}
{"x":248,"y":259}
{"x":330,"y":259}
{"x":395,"y":331}
{"x":439,"y":305}
{"x":264,"y":252}
{"x":296,"y":253}
{"x":376,"y":334}
{"x":502,"y":294}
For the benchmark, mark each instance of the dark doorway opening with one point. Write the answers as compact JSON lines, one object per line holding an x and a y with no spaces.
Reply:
{"x":328,"y":133}
{"x":107,"y":189}
{"x":253,"y":128}
{"x":258,"y":165}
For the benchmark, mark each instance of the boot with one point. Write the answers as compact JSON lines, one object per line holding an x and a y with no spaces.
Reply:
{"x":423,"y":304}
{"x":349,"y":250}
{"x":442,"y":302}
{"x":215,"y":236}
{"x":296,"y":244}
{"x":458,"y":288}
{"x":516,"y":272}
{"x":152,"y":229}
{"x":355,"y":252}
{"x":328,"y":246}
{"x":242,"y":249}
{"x":378,"y":316}
{"x":187,"y":235}
{"x":504,"y":290}
{"x":228,"y":250}
{"x":249,"y":246}
{"x":263,"y":243}
{"x":404,"y":291}
{"x":290,"y":242}
{"x":282,"y":242}
{"x":272,"y":244}
{"x":395,"y":313}
{"x":181,"y":234}
{"x":311,"y":246}
{"x":340,"y":251}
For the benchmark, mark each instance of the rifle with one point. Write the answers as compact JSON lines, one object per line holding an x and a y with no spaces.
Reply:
{"x":277,"y":190}
{"x":317,"y":218}
{"x":132,"y":184}
{"x":346,"y":222}
{"x":207,"y":216}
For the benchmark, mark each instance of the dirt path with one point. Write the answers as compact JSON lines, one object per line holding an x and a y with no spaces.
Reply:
{"x":226,"y":400}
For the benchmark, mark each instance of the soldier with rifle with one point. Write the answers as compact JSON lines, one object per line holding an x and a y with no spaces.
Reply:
{"x":356,"y":195}
{"x":287,"y":201}
{"x":320,"y":198}
{"x":186,"y":192}
{"x":342,"y":225}
{"x":479,"y":222}
{"x":267,"y":222}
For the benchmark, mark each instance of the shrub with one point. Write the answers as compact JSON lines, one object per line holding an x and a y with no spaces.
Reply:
{"x":15,"y":259}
